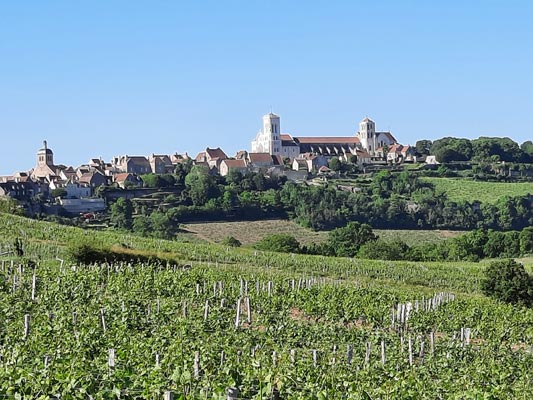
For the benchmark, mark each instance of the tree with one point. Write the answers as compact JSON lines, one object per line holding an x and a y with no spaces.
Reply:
{"x":10,"y":206}
{"x":423,"y":146}
{"x":382,"y":250}
{"x":281,"y":242}
{"x":526,"y":240}
{"x":347,"y":240}
{"x":509,"y":282}
{"x":200,"y":184}
{"x":161,"y":225}
{"x":231,"y":242}
{"x":335,"y":164}
{"x":122,"y":213}
{"x":59,"y":192}
{"x":141,"y":225}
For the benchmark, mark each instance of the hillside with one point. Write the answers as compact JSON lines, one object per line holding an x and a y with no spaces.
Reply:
{"x":263,"y":324}
{"x":250,"y":232}
{"x":461,"y":189}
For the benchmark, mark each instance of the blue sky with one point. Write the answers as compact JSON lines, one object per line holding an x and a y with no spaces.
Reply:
{"x":103,"y":78}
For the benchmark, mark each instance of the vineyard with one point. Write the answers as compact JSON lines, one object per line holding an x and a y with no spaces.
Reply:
{"x":228,"y":323}
{"x":486,"y":192}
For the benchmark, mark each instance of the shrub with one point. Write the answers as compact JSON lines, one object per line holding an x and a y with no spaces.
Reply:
{"x":231,"y":242}
{"x":282,"y":243}
{"x":509,"y":282}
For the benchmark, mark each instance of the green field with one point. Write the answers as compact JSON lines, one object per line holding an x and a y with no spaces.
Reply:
{"x":486,"y":192}
{"x":309,"y":327}
{"x":250,"y":232}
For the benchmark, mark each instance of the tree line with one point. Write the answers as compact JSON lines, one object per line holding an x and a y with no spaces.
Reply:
{"x":359,"y":240}
{"x":386,"y":201}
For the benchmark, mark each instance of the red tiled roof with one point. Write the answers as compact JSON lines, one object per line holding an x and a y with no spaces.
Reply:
{"x":216,"y":153}
{"x":122,"y":177}
{"x":260,"y":157}
{"x":278,"y":160}
{"x":235,"y":163}
{"x":327,"y":140}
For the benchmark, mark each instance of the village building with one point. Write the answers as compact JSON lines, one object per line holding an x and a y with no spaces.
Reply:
{"x":132,"y":164}
{"x":23,"y":191}
{"x":211,"y":157}
{"x":126,"y":179}
{"x":45,"y":170}
{"x":160,"y":164}
{"x":232,"y":165}
{"x":270,"y":140}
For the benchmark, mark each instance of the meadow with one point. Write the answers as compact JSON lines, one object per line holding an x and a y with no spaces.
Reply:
{"x":250,"y":232}
{"x":238,"y":323}
{"x":486,"y":192}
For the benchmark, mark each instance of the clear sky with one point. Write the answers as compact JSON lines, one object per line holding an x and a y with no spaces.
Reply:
{"x":104,"y":78}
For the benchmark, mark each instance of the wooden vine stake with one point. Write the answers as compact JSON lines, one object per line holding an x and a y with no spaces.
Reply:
{"x":196,"y":365}
{"x":238,"y":315}
{"x":422,"y":351}
{"x":33,"y":287}
{"x":102,"y":317}
{"x":383,"y":358}
{"x":248,"y":310}
{"x":410,"y":346}
{"x":233,"y":393}
{"x":349,"y":354}
{"x":432,"y":342}
{"x":206,"y":310}
{"x":168,"y":395}
{"x":111,"y":358}
{"x":26,"y":325}
{"x":367,"y":353}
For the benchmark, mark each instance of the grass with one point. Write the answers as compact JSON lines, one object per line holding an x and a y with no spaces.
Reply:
{"x":486,"y":192}
{"x":250,"y":232}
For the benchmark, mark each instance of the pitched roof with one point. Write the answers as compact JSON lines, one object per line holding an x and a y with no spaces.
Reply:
{"x":200,"y":157}
{"x":395,"y":148}
{"x":216,"y":153}
{"x":327,"y":140}
{"x":235,"y":163}
{"x":122,"y":176}
{"x":388,"y":135}
{"x":137,"y":160}
{"x":260,"y":158}
{"x":277,"y":160}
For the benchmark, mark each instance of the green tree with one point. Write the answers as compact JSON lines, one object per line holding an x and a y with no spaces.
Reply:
{"x":423,"y":146}
{"x":161,"y":225}
{"x":59,"y":192}
{"x":281,"y":242}
{"x":231,"y":242}
{"x":384,"y":250}
{"x":200,"y":184}
{"x":347,"y":240}
{"x":335,"y":164}
{"x":509,"y":282}
{"x":122,"y":213}
{"x":141,"y":225}
{"x":526,"y":240}
{"x":10,"y":206}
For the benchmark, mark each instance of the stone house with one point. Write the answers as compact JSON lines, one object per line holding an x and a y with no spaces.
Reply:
{"x":232,"y":165}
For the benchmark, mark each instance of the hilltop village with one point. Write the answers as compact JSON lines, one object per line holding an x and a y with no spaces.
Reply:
{"x":73,"y":190}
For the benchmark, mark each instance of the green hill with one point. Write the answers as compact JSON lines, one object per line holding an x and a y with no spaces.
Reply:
{"x":307,"y":326}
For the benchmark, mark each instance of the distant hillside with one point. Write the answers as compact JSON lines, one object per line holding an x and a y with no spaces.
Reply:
{"x":461,"y":189}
